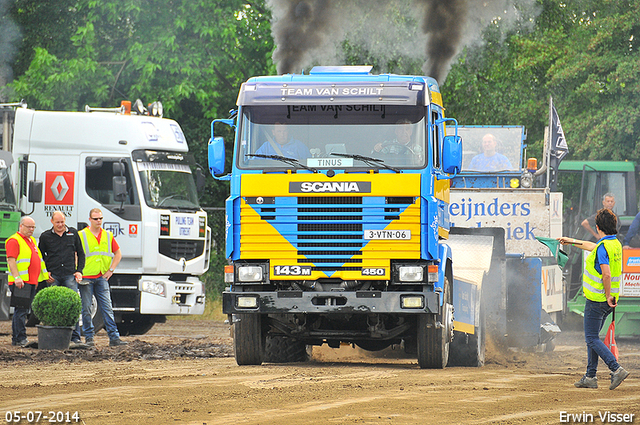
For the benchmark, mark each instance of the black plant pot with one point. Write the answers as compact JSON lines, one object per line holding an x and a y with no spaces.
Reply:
{"x":54,"y":337}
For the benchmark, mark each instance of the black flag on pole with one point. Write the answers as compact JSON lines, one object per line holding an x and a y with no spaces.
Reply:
{"x":559,"y":148}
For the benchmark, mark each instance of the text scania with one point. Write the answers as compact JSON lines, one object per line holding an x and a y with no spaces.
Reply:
{"x":333,"y":187}
{"x":333,"y":91}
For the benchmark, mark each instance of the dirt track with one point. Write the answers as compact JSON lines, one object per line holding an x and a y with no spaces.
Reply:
{"x":183,"y":372}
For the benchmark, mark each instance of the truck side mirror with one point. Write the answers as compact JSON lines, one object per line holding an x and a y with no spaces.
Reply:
{"x":118,"y":168}
{"x":452,"y":154}
{"x":35,"y":191}
{"x":216,"y":156}
{"x":119,"y":188}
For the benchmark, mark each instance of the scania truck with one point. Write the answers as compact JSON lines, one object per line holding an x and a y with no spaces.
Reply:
{"x":137,"y":169}
{"x":337,"y":231}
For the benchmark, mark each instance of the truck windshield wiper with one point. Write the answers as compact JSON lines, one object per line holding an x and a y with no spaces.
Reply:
{"x":367,"y":160}
{"x":286,"y":160}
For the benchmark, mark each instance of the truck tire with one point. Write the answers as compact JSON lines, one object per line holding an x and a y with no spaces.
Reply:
{"x":468,"y":350}
{"x":284,"y":349}
{"x":433,"y":339}
{"x":248,"y":339}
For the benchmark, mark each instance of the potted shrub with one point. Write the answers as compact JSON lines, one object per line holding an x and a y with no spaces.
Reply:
{"x":58,"y":309}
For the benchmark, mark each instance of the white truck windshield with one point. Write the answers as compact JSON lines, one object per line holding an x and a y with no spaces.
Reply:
{"x":166,"y":179}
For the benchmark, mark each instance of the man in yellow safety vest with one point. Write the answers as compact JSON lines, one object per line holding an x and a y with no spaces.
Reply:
{"x":26,"y":269}
{"x":601,"y":286}
{"x":102,"y":256}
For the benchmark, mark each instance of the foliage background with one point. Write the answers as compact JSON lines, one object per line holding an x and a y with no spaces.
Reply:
{"x":193,"y":55}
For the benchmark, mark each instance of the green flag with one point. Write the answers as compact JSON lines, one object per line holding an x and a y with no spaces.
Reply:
{"x":554,"y":246}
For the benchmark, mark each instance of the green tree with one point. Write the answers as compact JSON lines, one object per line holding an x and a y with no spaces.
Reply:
{"x":190,"y":55}
{"x":583,"y":53}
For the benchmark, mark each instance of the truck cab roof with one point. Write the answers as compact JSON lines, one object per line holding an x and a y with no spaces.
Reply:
{"x":95,"y":132}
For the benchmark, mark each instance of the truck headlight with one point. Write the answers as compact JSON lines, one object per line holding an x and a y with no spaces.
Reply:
{"x":411,"y":274}
{"x":152,"y":287}
{"x":412,"y":301}
{"x":247,"y":301}
{"x":249,"y":274}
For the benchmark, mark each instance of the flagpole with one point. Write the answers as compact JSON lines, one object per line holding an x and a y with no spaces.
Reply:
{"x":548,"y":153}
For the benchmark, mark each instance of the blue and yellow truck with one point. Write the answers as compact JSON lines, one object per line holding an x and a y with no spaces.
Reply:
{"x":338,"y":219}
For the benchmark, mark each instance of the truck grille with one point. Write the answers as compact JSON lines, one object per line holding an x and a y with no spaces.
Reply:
{"x":178,"y":249}
{"x":325,"y":231}
{"x":332,"y":223}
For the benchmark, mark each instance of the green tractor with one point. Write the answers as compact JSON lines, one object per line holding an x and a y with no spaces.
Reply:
{"x":584,"y":184}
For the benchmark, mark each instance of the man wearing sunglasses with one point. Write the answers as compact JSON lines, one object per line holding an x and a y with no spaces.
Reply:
{"x":102,"y":256}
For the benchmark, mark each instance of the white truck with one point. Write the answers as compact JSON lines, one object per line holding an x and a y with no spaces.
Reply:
{"x":136,"y":168}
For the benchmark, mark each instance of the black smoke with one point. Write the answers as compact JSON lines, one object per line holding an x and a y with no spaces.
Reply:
{"x":308,"y":32}
{"x":299,"y":27}
{"x":443,"y":23}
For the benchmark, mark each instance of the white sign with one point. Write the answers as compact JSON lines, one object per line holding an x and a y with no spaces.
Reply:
{"x":630,"y":285}
{"x":387,"y":234}
{"x":330,"y":162}
{"x":522,"y":213}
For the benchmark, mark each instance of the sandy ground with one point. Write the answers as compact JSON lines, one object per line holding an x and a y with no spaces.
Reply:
{"x":183,"y":372}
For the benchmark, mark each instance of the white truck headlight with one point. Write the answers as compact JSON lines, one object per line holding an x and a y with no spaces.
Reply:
{"x":411,"y":273}
{"x":152,"y":287}
{"x":412,"y":301}
{"x":247,"y":301}
{"x":249,"y":274}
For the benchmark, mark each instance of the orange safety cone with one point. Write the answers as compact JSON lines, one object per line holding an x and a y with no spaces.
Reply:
{"x":610,"y":338}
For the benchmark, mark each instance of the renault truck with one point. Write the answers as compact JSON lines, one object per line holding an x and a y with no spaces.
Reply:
{"x":137,"y":169}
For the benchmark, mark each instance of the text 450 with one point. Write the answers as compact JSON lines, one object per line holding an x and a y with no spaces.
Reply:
{"x":292,"y":271}
{"x":373,"y":272}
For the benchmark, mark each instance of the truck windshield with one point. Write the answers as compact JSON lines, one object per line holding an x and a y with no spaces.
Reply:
{"x":311,"y":134}
{"x":166,"y":179}
{"x":488,"y":149}
{"x":7,"y":197}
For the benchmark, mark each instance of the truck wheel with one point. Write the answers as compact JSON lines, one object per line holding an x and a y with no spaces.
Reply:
{"x":468,"y":350}
{"x":284,"y":349}
{"x":248,"y":340}
{"x":435,"y":333}
{"x":138,"y":324}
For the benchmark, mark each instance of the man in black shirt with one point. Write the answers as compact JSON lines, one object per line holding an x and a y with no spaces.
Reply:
{"x":64,"y":257}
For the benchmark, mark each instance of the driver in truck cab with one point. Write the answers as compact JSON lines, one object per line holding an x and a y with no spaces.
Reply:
{"x":282,"y":145}
{"x":490,"y":159}
{"x":402,"y":143}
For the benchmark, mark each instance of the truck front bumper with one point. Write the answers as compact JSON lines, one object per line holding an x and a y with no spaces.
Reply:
{"x":179,"y":298}
{"x":303,"y":302}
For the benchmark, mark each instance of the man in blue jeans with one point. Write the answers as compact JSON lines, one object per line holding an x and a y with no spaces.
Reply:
{"x":103,"y":255}
{"x":64,"y":257}
{"x":601,"y":286}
